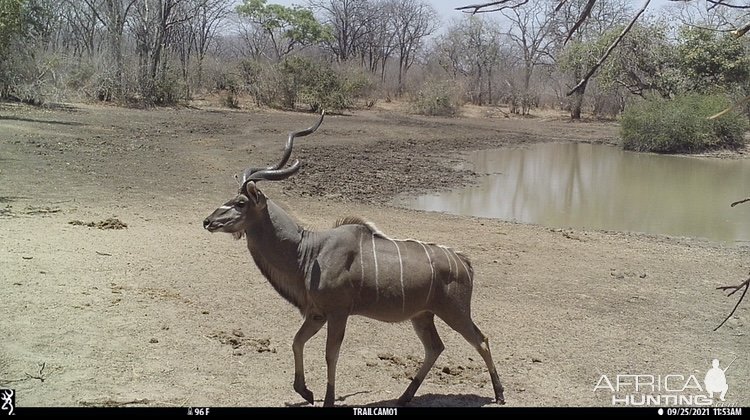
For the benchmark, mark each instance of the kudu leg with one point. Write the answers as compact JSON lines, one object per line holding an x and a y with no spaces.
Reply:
{"x":463,"y":324}
{"x":424,"y":326}
{"x":311,"y":325}
{"x":336,"y":329}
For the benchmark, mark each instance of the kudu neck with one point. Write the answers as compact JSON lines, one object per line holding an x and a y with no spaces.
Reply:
{"x":276,"y":243}
{"x":274,"y":230}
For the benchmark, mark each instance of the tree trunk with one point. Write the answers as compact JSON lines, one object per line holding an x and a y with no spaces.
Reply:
{"x":576,"y":103}
{"x":489,"y":86}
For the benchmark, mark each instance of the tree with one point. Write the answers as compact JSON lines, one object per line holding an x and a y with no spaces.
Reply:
{"x":378,"y":39}
{"x":286,"y":27}
{"x":471,"y":48}
{"x":530,"y":32}
{"x":645,"y":61}
{"x":208,"y":18}
{"x":349,"y":22}
{"x":23,"y":24}
{"x":710,"y":60}
{"x":412,"y":22}
{"x":152,"y":22}
{"x":114,"y":18}
{"x":578,"y":43}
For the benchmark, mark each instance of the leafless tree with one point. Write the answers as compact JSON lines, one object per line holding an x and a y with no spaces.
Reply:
{"x":413,"y":21}
{"x":472,"y":48}
{"x":378,"y":42}
{"x":151,"y":24}
{"x":530,"y":32}
{"x":350,"y":22}
{"x":210,"y":16}
{"x":80,"y":24}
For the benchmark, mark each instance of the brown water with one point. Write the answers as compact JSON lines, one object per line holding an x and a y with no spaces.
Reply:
{"x":603,"y":187}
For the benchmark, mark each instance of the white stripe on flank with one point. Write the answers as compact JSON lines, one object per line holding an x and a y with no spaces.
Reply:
{"x":401,"y":276}
{"x":375,"y":259}
{"x":432,"y":270}
{"x":361,"y":267}
{"x":450,"y":266}
{"x":465,"y":267}
{"x":226,"y":207}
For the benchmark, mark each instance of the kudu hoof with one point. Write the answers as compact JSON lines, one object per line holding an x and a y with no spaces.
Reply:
{"x":306,"y":394}
{"x":500,"y":399}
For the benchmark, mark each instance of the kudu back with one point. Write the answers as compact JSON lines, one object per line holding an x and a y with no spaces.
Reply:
{"x":352,"y":269}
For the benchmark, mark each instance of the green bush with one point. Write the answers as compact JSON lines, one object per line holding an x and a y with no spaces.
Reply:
{"x":319,"y":85}
{"x":437,"y":98}
{"x":680,"y":125}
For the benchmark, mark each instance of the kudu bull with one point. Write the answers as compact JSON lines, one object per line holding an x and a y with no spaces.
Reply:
{"x":352,"y":269}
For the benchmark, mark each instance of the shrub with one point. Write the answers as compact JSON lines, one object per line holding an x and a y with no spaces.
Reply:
{"x":320,"y":85}
{"x":437,"y":98}
{"x":680,"y":125}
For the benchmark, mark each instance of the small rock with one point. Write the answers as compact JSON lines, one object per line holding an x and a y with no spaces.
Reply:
{"x":204,"y":312}
{"x":536,"y":360}
{"x":618,"y":275}
{"x":447,"y":370}
{"x":42,"y":272}
{"x":371,"y":363}
{"x":153,"y":341}
{"x":238,"y":352}
{"x":494,"y":261}
{"x":643,"y":276}
{"x":238,"y":333}
{"x":17,"y":284}
{"x":27,"y":257}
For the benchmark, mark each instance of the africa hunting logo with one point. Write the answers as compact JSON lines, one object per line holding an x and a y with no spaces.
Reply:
{"x":666,"y":390}
{"x":8,"y":400}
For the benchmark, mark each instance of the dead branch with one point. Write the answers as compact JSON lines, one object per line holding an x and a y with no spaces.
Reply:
{"x":499,"y":5}
{"x":731,"y":107}
{"x":744,"y":200}
{"x":560,"y":5}
{"x":611,"y":48}
{"x":40,"y":376}
{"x":741,"y":31}
{"x":113,"y":403}
{"x":584,"y":15}
{"x":745,"y":284}
{"x":715,"y":3}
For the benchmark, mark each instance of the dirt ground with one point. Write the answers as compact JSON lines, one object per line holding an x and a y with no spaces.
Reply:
{"x":113,"y":294}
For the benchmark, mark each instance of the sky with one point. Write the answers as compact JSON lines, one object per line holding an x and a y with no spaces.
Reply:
{"x":447,"y":11}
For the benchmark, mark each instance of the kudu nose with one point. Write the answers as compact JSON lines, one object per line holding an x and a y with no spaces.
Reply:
{"x":206,"y":222}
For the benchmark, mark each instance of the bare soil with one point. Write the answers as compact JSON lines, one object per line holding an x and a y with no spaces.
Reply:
{"x":159,"y":312}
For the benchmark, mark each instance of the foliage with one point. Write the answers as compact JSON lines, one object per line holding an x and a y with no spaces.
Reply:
{"x":644,"y":61}
{"x":680,"y":125}
{"x":319,"y":85}
{"x":288,"y":27}
{"x":22,"y":23}
{"x":710,"y":60}
{"x":315,"y":83}
{"x":437,"y":98}
{"x":11,"y":22}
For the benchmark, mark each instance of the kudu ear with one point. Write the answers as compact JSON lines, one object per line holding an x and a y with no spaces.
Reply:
{"x":252,"y":191}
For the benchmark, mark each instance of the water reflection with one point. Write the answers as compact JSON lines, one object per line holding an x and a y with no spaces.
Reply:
{"x":602,"y":187}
